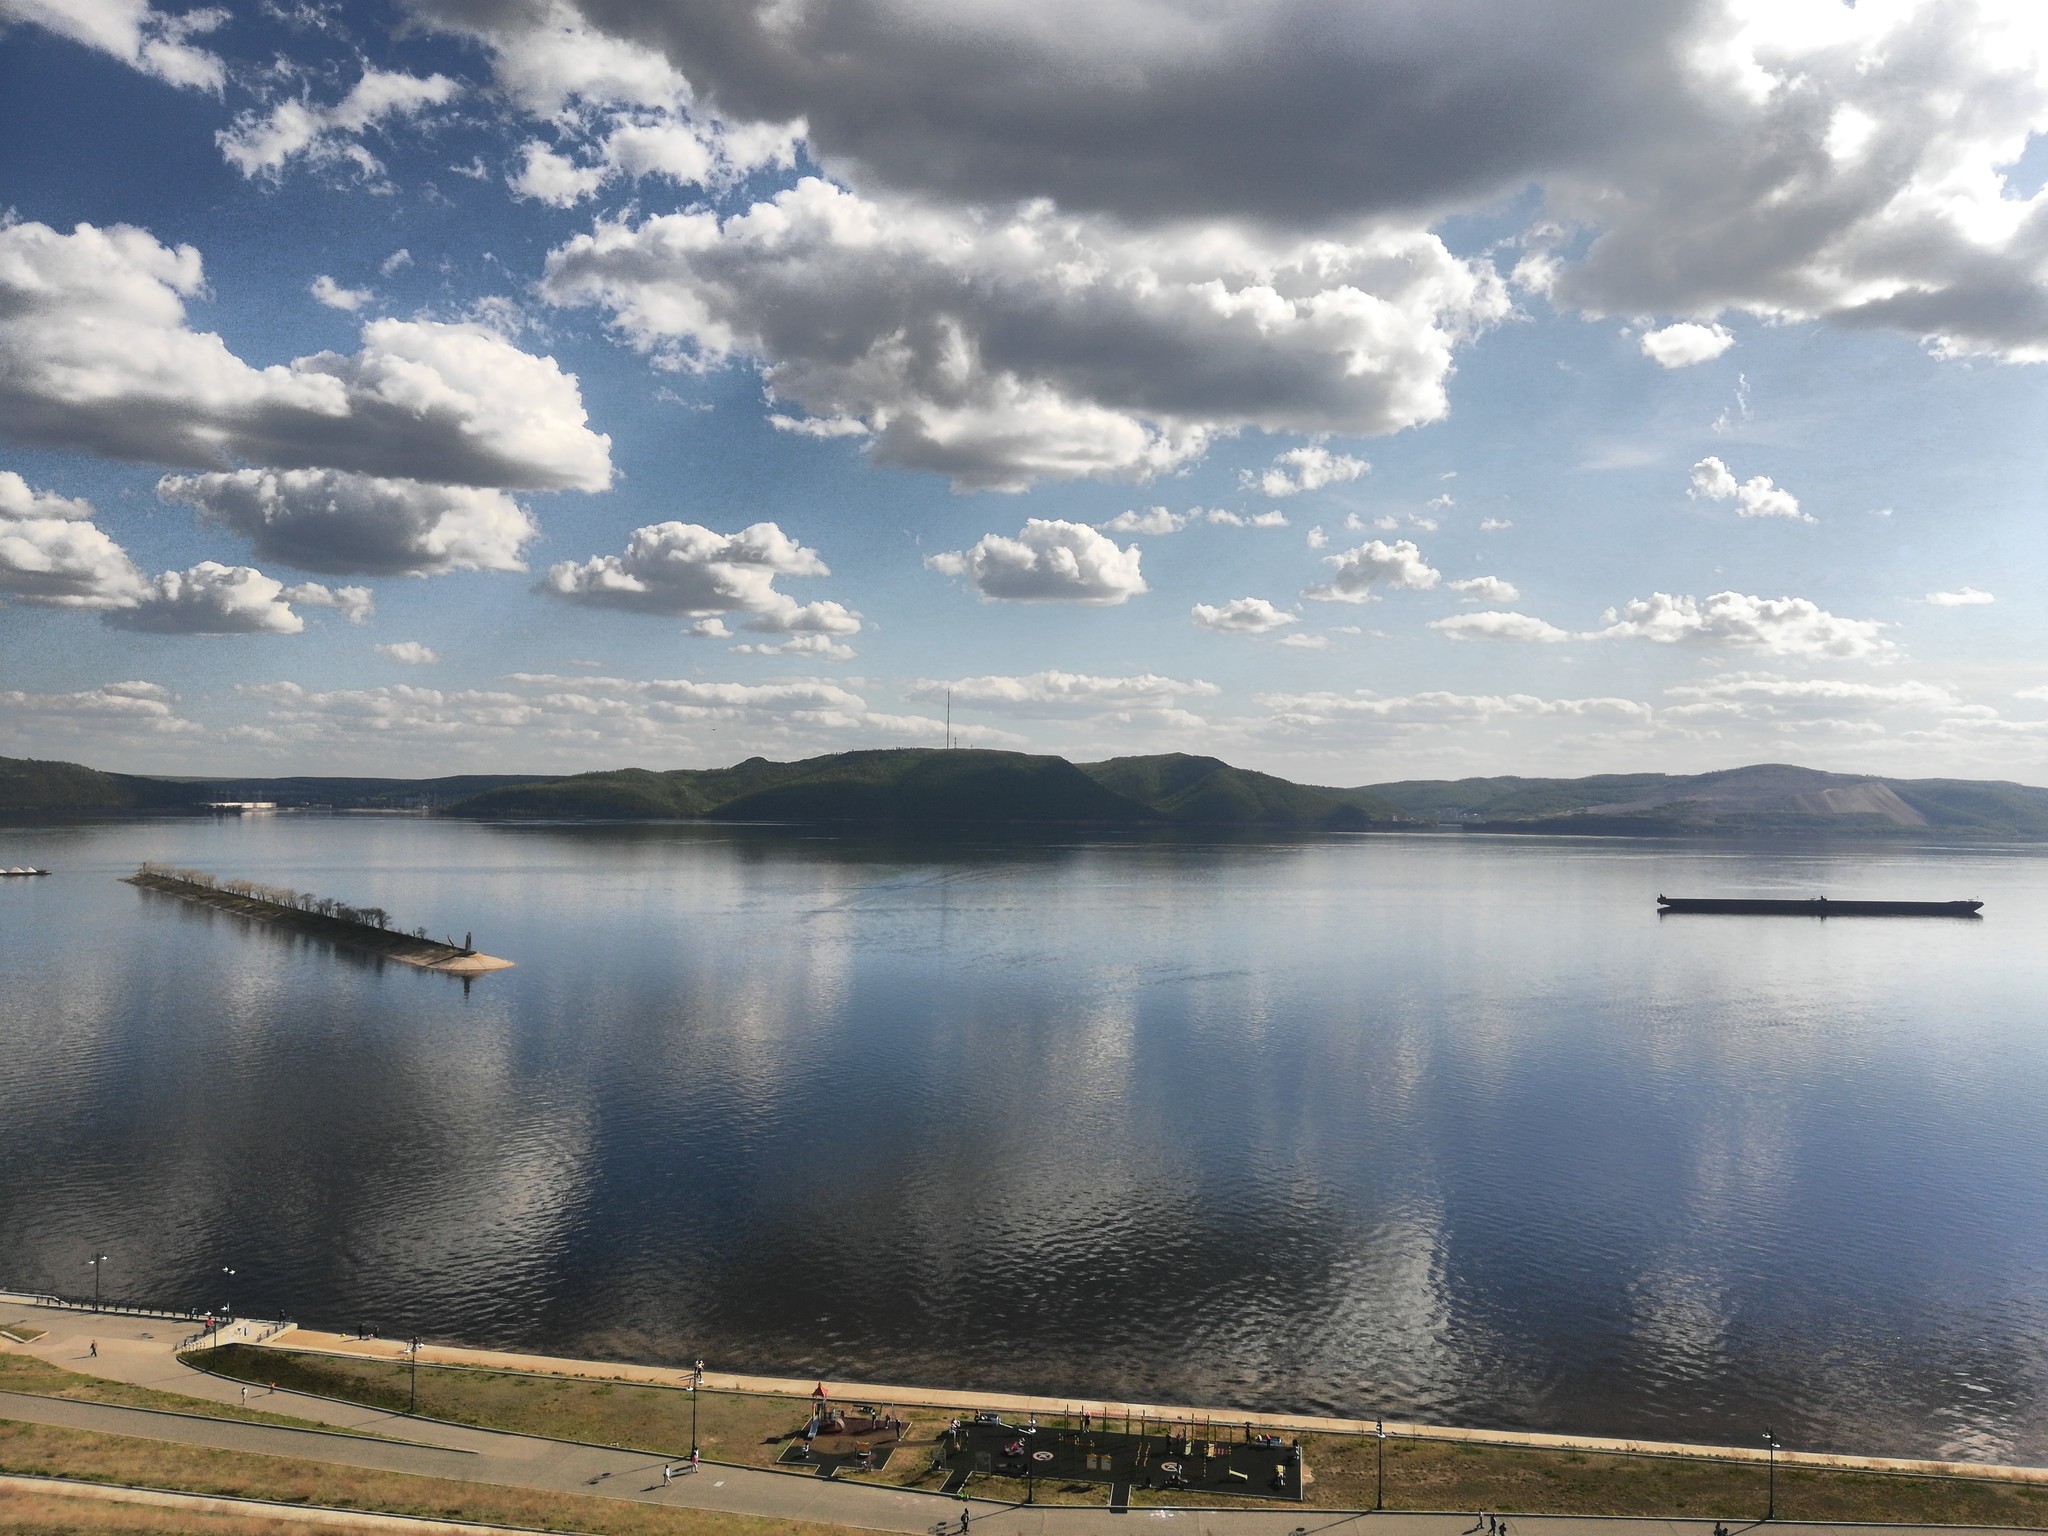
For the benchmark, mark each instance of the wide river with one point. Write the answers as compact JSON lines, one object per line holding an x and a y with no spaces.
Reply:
{"x":1444,"y":1127}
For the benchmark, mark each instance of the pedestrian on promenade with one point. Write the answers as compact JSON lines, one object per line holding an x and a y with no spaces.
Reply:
{"x":93,"y":1349}
{"x":667,"y":1474}
{"x":966,"y":1514}
{"x":245,"y":1397}
{"x":693,"y":1458}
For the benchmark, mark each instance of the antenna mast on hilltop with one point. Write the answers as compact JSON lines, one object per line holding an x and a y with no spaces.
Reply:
{"x":949,"y":719}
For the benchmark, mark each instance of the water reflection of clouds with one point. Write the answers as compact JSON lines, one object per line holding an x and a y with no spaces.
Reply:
{"x":1441,"y":1126}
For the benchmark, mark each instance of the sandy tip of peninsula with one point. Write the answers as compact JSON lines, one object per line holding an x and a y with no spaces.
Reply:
{"x":467,"y":965}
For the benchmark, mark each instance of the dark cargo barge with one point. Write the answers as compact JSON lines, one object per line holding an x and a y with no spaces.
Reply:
{"x":1818,"y":906}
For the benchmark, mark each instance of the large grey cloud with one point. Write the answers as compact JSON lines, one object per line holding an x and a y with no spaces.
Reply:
{"x":1691,"y":157}
{"x":96,"y":354}
{"x":346,"y":524}
{"x":1274,"y":109}
{"x":1000,"y":349}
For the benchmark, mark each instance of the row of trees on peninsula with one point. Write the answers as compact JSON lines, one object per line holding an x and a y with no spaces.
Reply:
{"x":275,"y":895}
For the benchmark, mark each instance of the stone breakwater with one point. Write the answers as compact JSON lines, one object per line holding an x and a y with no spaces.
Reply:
{"x":405,"y":948}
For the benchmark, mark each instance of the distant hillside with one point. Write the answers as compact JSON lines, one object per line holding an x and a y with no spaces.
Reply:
{"x":1765,"y":797}
{"x":924,"y":785}
{"x":1205,"y":791}
{"x":30,"y":786}
{"x":927,"y":785}
{"x":911,"y":784}
{"x":27,"y":784}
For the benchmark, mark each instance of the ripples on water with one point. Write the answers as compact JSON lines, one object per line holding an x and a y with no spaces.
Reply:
{"x":1448,"y":1127}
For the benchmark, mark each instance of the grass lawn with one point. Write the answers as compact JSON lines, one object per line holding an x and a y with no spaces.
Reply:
{"x":751,"y":1429}
{"x":21,"y":1333}
{"x":25,"y":1373}
{"x":61,"y":1512}
{"x":1458,"y":1475}
{"x":42,"y":1451}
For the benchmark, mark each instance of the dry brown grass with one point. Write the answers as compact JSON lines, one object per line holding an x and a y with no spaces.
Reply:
{"x":1458,"y":1475}
{"x":71,"y":1514}
{"x":25,"y":1373}
{"x":751,"y":1429}
{"x":39,"y":1450}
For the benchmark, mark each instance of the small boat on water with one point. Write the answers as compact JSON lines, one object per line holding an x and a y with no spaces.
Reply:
{"x":1818,"y":906}
{"x":24,"y":870}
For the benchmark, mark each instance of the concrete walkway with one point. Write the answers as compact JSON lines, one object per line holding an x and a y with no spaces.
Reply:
{"x":1104,"y":1409}
{"x":141,"y":1351}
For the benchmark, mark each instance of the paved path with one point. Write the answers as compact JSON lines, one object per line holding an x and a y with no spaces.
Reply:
{"x":1104,"y":1409}
{"x":141,"y":1351}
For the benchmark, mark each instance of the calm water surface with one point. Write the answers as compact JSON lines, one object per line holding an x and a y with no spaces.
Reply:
{"x":1442,"y":1127}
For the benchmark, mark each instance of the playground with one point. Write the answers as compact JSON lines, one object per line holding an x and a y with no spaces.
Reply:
{"x":840,"y":1439}
{"x":1190,"y":1457}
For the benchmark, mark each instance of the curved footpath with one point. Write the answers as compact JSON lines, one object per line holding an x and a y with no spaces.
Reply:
{"x":142,"y":1351}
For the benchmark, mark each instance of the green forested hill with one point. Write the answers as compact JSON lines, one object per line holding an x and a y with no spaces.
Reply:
{"x":923,"y":785}
{"x":1763,"y":797}
{"x":1206,"y":791}
{"x":28,"y":784}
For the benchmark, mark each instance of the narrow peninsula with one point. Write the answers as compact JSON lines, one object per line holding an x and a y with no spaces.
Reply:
{"x":365,"y":928}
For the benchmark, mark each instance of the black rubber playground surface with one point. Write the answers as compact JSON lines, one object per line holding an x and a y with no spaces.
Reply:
{"x":1215,"y":1460}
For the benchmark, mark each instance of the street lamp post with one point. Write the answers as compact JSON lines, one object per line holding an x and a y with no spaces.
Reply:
{"x":226,"y":1308}
{"x":1770,"y":1476}
{"x":412,"y":1405}
{"x":96,"y":1261}
{"x":1379,"y":1498}
{"x":696,"y":1388}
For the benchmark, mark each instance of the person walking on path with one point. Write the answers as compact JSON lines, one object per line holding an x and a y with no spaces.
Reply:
{"x":92,"y":1349}
{"x":668,"y":1474}
{"x":694,"y":1458}
{"x":245,"y":1397}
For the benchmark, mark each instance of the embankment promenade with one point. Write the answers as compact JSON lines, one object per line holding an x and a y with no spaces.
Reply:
{"x":387,"y":944}
{"x":313,"y":1341}
{"x":220,"y":1433}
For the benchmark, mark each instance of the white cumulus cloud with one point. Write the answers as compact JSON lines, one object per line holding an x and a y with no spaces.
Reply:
{"x":1966,"y":597}
{"x":1518,"y":627}
{"x":411,"y":653}
{"x":356,"y":604}
{"x":96,"y":355}
{"x":51,"y":552}
{"x":1050,"y":561}
{"x":135,"y":32}
{"x":1226,"y":519}
{"x":1243,"y":616}
{"x":1781,"y":626}
{"x":335,"y":296}
{"x":211,"y":599}
{"x":1485,"y":589}
{"x":260,"y":143}
{"x":1754,"y":497}
{"x":685,"y":570}
{"x":1684,"y":344}
{"x":1153,"y":520}
{"x":1066,"y":693}
{"x":1305,"y":469}
{"x":1374,"y":564}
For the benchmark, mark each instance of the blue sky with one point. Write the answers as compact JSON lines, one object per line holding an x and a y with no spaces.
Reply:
{"x":438,"y":386}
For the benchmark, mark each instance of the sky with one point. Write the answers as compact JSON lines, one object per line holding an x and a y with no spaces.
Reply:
{"x":1354,"y":391}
